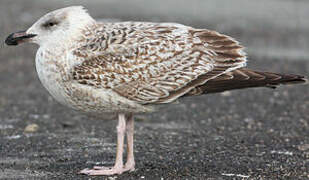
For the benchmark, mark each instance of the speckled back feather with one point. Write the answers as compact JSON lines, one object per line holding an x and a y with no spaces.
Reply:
{"x":153,"y":62}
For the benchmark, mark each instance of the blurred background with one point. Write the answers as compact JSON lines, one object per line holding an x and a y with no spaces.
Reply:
{"x":257,"y":133}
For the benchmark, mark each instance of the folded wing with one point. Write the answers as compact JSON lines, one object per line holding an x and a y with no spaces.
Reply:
{"x":154,"y":63}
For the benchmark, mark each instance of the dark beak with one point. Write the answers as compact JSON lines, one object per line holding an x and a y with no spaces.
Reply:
{"x":18,"y":37}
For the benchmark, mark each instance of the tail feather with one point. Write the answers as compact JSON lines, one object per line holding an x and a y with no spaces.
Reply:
{"x":246,"y":78}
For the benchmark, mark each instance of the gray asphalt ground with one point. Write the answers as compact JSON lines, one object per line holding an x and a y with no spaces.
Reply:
{"x":245,"y":134}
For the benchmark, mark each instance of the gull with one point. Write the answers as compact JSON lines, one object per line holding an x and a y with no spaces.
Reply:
{"x":133,"y":67}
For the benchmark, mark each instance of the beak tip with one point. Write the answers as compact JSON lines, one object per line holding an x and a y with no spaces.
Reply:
{"x":10,"y":40}
{"x":15,"y":38}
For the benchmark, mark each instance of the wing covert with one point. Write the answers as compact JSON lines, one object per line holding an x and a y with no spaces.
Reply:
{"x":154,"y":63}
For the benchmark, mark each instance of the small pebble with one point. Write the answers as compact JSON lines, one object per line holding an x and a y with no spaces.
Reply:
{"x":31,"y":128}
{"x":112,"y":178}
{"x":303,"y":147}
{"x":226,"y":93}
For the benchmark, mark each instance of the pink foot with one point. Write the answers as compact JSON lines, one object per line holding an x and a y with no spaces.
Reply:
{"x":130,"y":166}
{"x":98,"y":170}
{"x":101,"y":171}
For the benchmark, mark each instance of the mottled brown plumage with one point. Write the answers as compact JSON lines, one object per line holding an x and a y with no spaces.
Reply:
{"x":153,"y":62}
{"x":157,"y":63}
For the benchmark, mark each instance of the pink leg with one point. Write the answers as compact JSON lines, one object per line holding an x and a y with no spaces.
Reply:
{"x":118,"y":167}
{"x":130,"y":164}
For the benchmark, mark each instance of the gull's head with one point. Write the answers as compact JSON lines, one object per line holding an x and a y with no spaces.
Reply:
{"x":58,"y":25}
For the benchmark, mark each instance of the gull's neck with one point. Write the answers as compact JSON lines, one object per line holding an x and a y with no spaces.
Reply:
{"x":54,"y":61}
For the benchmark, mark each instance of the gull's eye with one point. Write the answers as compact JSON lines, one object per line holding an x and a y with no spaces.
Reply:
{"x":50,"y":24}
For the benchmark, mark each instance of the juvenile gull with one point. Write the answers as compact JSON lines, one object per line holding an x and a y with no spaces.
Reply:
{"x":130,"y":67}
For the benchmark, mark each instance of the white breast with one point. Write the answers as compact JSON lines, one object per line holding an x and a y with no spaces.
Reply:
{"x":50,"y":75}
